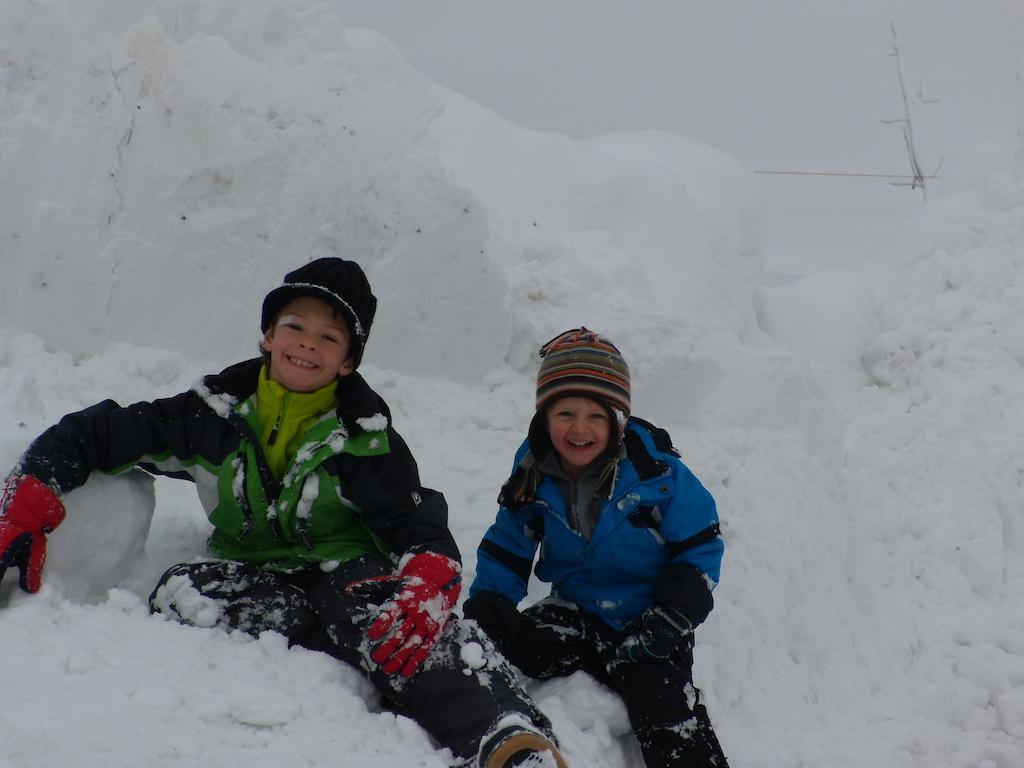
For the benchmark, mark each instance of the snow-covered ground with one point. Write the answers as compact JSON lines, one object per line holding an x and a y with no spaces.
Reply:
{"x":852,"y":396}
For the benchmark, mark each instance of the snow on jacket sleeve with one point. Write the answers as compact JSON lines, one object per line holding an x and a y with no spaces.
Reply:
{"x":109,"y":438}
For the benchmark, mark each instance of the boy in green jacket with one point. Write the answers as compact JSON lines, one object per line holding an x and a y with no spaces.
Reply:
{"x":322,"y":530}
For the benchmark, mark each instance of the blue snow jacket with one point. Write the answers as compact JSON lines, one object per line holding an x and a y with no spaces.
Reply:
{"x":657,"y":539}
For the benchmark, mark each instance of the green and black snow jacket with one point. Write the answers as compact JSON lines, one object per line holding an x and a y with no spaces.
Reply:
{"x":352,"y":487}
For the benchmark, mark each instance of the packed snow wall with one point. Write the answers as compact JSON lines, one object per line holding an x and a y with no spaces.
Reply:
{"x":155,"y":142}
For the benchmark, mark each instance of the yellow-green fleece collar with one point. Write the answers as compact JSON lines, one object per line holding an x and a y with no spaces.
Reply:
{"x":285,"y":416}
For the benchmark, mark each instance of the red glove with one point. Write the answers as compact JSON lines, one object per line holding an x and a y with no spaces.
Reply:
{"x":31,"y":510}
{"x":410,"y":622}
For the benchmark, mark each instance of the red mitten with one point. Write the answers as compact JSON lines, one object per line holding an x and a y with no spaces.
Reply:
{"x":410,"y":622}
{"x":31,"y":510}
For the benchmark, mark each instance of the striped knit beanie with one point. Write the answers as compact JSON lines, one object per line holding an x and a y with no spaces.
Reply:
{"x":577,"y":363}
{"x":584,"y":364}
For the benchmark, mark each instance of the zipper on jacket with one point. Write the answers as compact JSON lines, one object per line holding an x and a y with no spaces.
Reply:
{"x":271,"y":486}
{"x":280,"y":418}
{"x":303,"y":535}
{"x":241,"y":497}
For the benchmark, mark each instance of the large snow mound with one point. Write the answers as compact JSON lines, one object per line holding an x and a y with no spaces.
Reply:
{"x":229,"y":147}
{"x":166,"y":162}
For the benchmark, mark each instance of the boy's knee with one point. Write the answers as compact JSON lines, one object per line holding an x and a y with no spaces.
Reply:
{"x":176,"y":597}
{"x":232,"y":595}
{"x":218,"y":577}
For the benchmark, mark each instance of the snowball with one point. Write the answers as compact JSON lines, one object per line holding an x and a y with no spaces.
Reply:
{"x":104,"y":535}
{"x":472,"y":655}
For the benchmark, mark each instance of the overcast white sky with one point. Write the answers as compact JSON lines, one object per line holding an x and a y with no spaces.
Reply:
{"x":787,"y":86}
{"x":757,"y":80}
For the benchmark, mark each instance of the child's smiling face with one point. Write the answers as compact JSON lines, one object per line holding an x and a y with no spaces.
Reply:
{"x":309,"y":345}
{"x":579,"y":429}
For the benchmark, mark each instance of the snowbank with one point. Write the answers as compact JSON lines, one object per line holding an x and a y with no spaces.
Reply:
{"x":229,"y":149}
{"x":860,"y":429}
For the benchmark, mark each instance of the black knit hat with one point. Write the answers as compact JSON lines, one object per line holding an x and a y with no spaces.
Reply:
{"x":340,"y":283}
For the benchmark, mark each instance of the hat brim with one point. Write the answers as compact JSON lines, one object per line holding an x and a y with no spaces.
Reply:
{"x":280,"y":296}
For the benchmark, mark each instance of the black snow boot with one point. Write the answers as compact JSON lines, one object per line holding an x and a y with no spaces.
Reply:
{"x":518,"y":747}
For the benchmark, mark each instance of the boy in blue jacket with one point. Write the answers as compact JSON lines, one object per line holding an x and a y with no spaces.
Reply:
{"x":322,"y":530}
{"x":629,"y":540}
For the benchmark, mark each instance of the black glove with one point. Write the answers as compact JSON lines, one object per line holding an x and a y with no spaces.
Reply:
{"x":656,"y":635}
{"x":497,"y":616}
{"x":684,"y":587}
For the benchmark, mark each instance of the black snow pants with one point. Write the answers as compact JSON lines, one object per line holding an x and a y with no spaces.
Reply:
{"x":556,"y":638}
{"x":329,"y":612}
